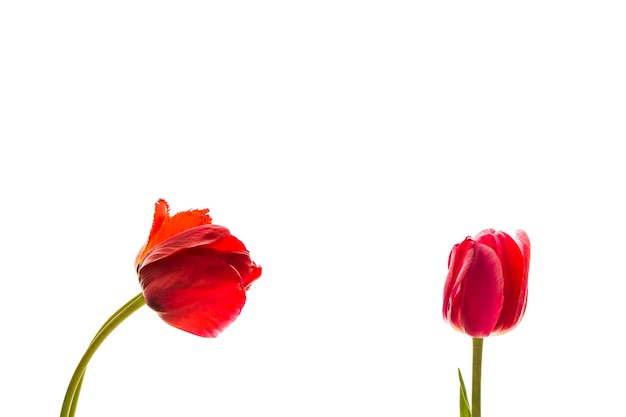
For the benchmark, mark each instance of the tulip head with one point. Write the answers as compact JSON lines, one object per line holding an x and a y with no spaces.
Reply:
{"x":487,"y":285}
{"x":193,"y":273}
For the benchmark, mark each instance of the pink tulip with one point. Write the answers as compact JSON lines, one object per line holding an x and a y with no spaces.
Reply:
{"x":487,"y":285}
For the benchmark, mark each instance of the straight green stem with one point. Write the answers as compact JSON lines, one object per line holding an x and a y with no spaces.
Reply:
{"x":477,"y":361}
{"x":73,"y":390}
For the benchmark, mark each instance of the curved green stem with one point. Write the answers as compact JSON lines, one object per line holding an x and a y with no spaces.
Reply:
{"x":73,"y":390}
{"x":75,"y":397}
{"x":477,"y":361}
{"x":104,"y":326}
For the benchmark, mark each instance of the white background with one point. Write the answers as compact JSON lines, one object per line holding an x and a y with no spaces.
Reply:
{"x":349,"y":145}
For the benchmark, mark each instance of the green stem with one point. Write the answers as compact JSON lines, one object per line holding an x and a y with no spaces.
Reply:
{"x":104,"y":326}
{"x":477,"y":360}
{"x":73,"y":390}
{"x":75,"y":397}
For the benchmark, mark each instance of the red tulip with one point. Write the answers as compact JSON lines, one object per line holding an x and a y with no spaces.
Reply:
{"x":487,"y":285}
{"x":194,"y":274}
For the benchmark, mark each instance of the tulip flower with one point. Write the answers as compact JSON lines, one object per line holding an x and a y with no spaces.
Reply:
{"x":193,"y":273}
{"x":487,"y":284}
{"x":485,"y":294}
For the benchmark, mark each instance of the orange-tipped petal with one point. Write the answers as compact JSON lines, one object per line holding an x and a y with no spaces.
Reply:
{"x":161,"y":213}
{"x":164,"y":226}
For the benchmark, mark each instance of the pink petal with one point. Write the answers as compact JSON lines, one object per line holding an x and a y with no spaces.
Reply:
{"x":522,"y":240}
{"x":456,"y":262}
{"x":482,"y":293}
{"x":513,"y":268}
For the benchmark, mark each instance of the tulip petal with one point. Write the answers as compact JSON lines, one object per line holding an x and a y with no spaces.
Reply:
{"x":522,"y":240}
{"x":194,"y":291}
{"x":453,"y":301}
{"x":161,"y":214}
{"x":228,"y":244}
{"x":458,"y":255}
{"x":241,"y":261}
{"x":513,"y":271}
{"x":482,"y":293}
{"x":206,"y":235}
{"x":164,"y":226}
